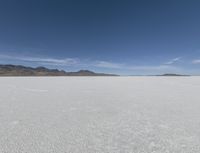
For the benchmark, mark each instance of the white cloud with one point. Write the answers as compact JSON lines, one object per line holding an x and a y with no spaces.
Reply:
{"x":52,"y":61}
{"x":98,"y":64}
{"x":156,"y":67}
{"x":172,"y":61}
{"x":197,"y":61}
{"x":106,"y":64}
{"x":44,"y":61}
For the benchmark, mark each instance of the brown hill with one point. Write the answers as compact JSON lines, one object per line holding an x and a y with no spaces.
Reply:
{"x":18,"y":70}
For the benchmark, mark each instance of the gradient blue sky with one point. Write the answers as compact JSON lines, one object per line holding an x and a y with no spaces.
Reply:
{"x":115,"y":36}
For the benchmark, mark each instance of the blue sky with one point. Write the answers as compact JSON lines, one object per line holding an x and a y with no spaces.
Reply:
{"x":113,"y":36}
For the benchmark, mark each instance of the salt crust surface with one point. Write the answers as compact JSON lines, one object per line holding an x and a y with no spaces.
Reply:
{"x":99,"y":114}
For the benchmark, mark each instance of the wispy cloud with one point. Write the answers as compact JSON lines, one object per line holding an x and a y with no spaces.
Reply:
{"x":154,"y":67}
{"x":75,"y":62}
{"x":196,"y":61}
{"x":110,"y":65}
{"x":105,"y":64}
{"x":174,"y":60}
{"x":52,"y":61}
{"x":44,"y":61}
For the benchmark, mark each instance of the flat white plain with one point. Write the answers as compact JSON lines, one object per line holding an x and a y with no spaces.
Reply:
{"x":99,"y":114}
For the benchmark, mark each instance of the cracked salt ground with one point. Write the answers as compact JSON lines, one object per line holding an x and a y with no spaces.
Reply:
{"x":100,"y":114}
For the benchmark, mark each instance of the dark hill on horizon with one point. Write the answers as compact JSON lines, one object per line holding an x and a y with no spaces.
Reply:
{"x":173,"y":74}
{"x":19,"y":70}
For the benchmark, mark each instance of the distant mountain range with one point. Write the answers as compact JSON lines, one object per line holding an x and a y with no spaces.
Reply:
{"x":172,"y":74}
{"x":19,"y":70}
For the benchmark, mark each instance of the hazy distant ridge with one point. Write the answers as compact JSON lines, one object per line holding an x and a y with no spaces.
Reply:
{"x":173,"y":74}
{"x":19,"y":70}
